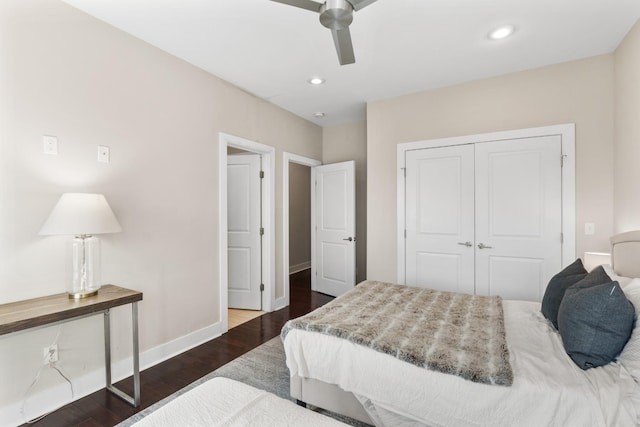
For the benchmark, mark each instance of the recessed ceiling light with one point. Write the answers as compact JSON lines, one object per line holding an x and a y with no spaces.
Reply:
{"x":316,"y":80}
{"x":501,"y":32}
{"x":318,"y":115}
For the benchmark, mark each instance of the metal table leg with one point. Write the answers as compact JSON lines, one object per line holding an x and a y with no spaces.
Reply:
{"x":135,"y":400}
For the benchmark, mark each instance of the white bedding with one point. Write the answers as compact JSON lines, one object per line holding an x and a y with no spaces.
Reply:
{"x":548,"y":388}
{"x":224,"y":402}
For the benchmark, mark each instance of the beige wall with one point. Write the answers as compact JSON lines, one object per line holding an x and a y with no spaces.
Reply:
{"x":349,"y":142}
{"x":64,"y":73}
{"x":299,"y":215}
{"x":579,"y":92}
{"x":627,"y":148}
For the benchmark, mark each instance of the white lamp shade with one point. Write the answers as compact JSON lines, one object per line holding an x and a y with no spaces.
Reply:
{"x":81,"y":214}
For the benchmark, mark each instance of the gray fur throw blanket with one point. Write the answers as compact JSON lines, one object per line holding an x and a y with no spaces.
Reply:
{"x":453,"y":333}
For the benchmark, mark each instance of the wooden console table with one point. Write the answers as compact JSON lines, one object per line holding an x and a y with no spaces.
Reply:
{"x":50,"y":310}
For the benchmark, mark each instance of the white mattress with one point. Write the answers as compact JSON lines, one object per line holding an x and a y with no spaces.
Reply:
{"x":224,"y":402}
{"x":548,"y":388}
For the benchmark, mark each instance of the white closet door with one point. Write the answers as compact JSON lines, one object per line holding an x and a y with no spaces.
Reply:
{"x":518,"y":216}
{"x":439,"y":218}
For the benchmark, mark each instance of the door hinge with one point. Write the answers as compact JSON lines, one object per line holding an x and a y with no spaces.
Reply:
{"x":562,"y":160}
{"x":405,"y":233}
{"x":561,"y":237}
{"x":261,"y":174}
{"x":404,"y":172}
{"x":261,"y":287}
{"x":262,"y":231}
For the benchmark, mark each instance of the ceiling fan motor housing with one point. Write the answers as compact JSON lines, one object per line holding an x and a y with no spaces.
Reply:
{"x":336,"y":14}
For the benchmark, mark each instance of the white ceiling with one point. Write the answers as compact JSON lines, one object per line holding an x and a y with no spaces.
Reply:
{"x":401,"y":46}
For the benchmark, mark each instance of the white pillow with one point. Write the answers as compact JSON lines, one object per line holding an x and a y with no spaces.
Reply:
{"x":623,"y":281}
{"x":630,"y":355}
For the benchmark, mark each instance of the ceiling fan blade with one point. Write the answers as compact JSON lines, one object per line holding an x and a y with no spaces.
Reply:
{"x":359,"y":4}
{"x":302,"y":4}
{"x":342,"y":40}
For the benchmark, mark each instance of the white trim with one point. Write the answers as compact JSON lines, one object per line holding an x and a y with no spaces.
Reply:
{"x":155,"y":355}
{"x":300,"y":267}
{"x":268,"y":219}
{"x":314,"y":232}
{"x":400,"y":215}
{"x":305,"y":161}
{"x":567,"y":136}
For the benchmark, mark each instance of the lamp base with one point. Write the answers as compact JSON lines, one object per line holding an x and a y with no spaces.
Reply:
{"x":79,"y":295}
{"x":85,"y":267}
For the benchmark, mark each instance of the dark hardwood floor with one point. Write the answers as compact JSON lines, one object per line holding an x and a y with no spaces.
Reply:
{"x":104,"y":409}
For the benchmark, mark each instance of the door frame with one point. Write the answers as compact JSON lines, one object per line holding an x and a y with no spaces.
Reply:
{"x":268,"y":221}
{"x":288,"y":158}
{"x":567,"y":136}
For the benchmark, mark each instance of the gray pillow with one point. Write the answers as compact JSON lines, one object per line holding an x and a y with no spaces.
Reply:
{"x":597,"y":276}
{"x":557,"y":287}
{"x":595,"y":322}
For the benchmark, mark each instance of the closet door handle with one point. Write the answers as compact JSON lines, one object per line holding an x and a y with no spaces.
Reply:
{"x":483,"y":246}
{"x":349,"y":239}
{"x":467,"y":244}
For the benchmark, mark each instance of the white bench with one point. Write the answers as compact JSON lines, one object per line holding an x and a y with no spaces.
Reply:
{"x":224,"y":402}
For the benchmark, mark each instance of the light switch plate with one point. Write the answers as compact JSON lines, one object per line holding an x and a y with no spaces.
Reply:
{"x":589,"y":228}
{"x":103,"y":154}
{"x":49,"y":144}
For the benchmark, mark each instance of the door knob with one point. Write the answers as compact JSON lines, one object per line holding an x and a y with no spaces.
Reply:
{"x":483,"y":246}
{"x":349,"y":239}
{"x":467,"y":244}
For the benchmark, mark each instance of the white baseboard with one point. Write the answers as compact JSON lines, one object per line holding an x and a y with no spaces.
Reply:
{"x":299,"y":267}
{"x":168,"y":350}
{"x":280,"y":303}
{"x":60,"y":395}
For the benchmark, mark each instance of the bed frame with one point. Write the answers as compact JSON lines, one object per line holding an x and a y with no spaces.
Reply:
{"x":329,"y":397}
{"x":625,"y":256}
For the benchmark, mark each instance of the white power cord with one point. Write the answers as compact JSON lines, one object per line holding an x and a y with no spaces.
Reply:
{"x":50,"y":364}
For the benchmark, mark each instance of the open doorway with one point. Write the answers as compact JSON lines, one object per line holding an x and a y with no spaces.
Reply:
{"x":267,"y":222}
{"x":296,"y":215}
{"x":239,"y":316}
{"x":299,"y":225}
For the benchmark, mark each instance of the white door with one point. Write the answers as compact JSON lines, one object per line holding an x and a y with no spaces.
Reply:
{"x":440,"y":218}
{"x":518,"y":216}
{"x":485,"y":218}
{"x":333,"y":224}
{"x":244,"y":237}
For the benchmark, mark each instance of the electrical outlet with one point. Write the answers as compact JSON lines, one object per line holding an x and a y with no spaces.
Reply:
{"x":103,"y":154}
{"x":49,"y":145}
{"x":50,"y":354}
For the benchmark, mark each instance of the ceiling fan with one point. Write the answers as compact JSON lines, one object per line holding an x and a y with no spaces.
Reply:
{"x":336,"y":15}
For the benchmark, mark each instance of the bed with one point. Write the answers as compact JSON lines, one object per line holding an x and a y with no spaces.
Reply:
{"x":548,"y":386}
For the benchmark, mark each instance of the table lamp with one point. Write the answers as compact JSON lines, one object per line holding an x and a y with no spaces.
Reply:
{"x":82,"y":215}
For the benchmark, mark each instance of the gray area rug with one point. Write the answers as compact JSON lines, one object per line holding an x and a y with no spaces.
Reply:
{"x":263,"y":367}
